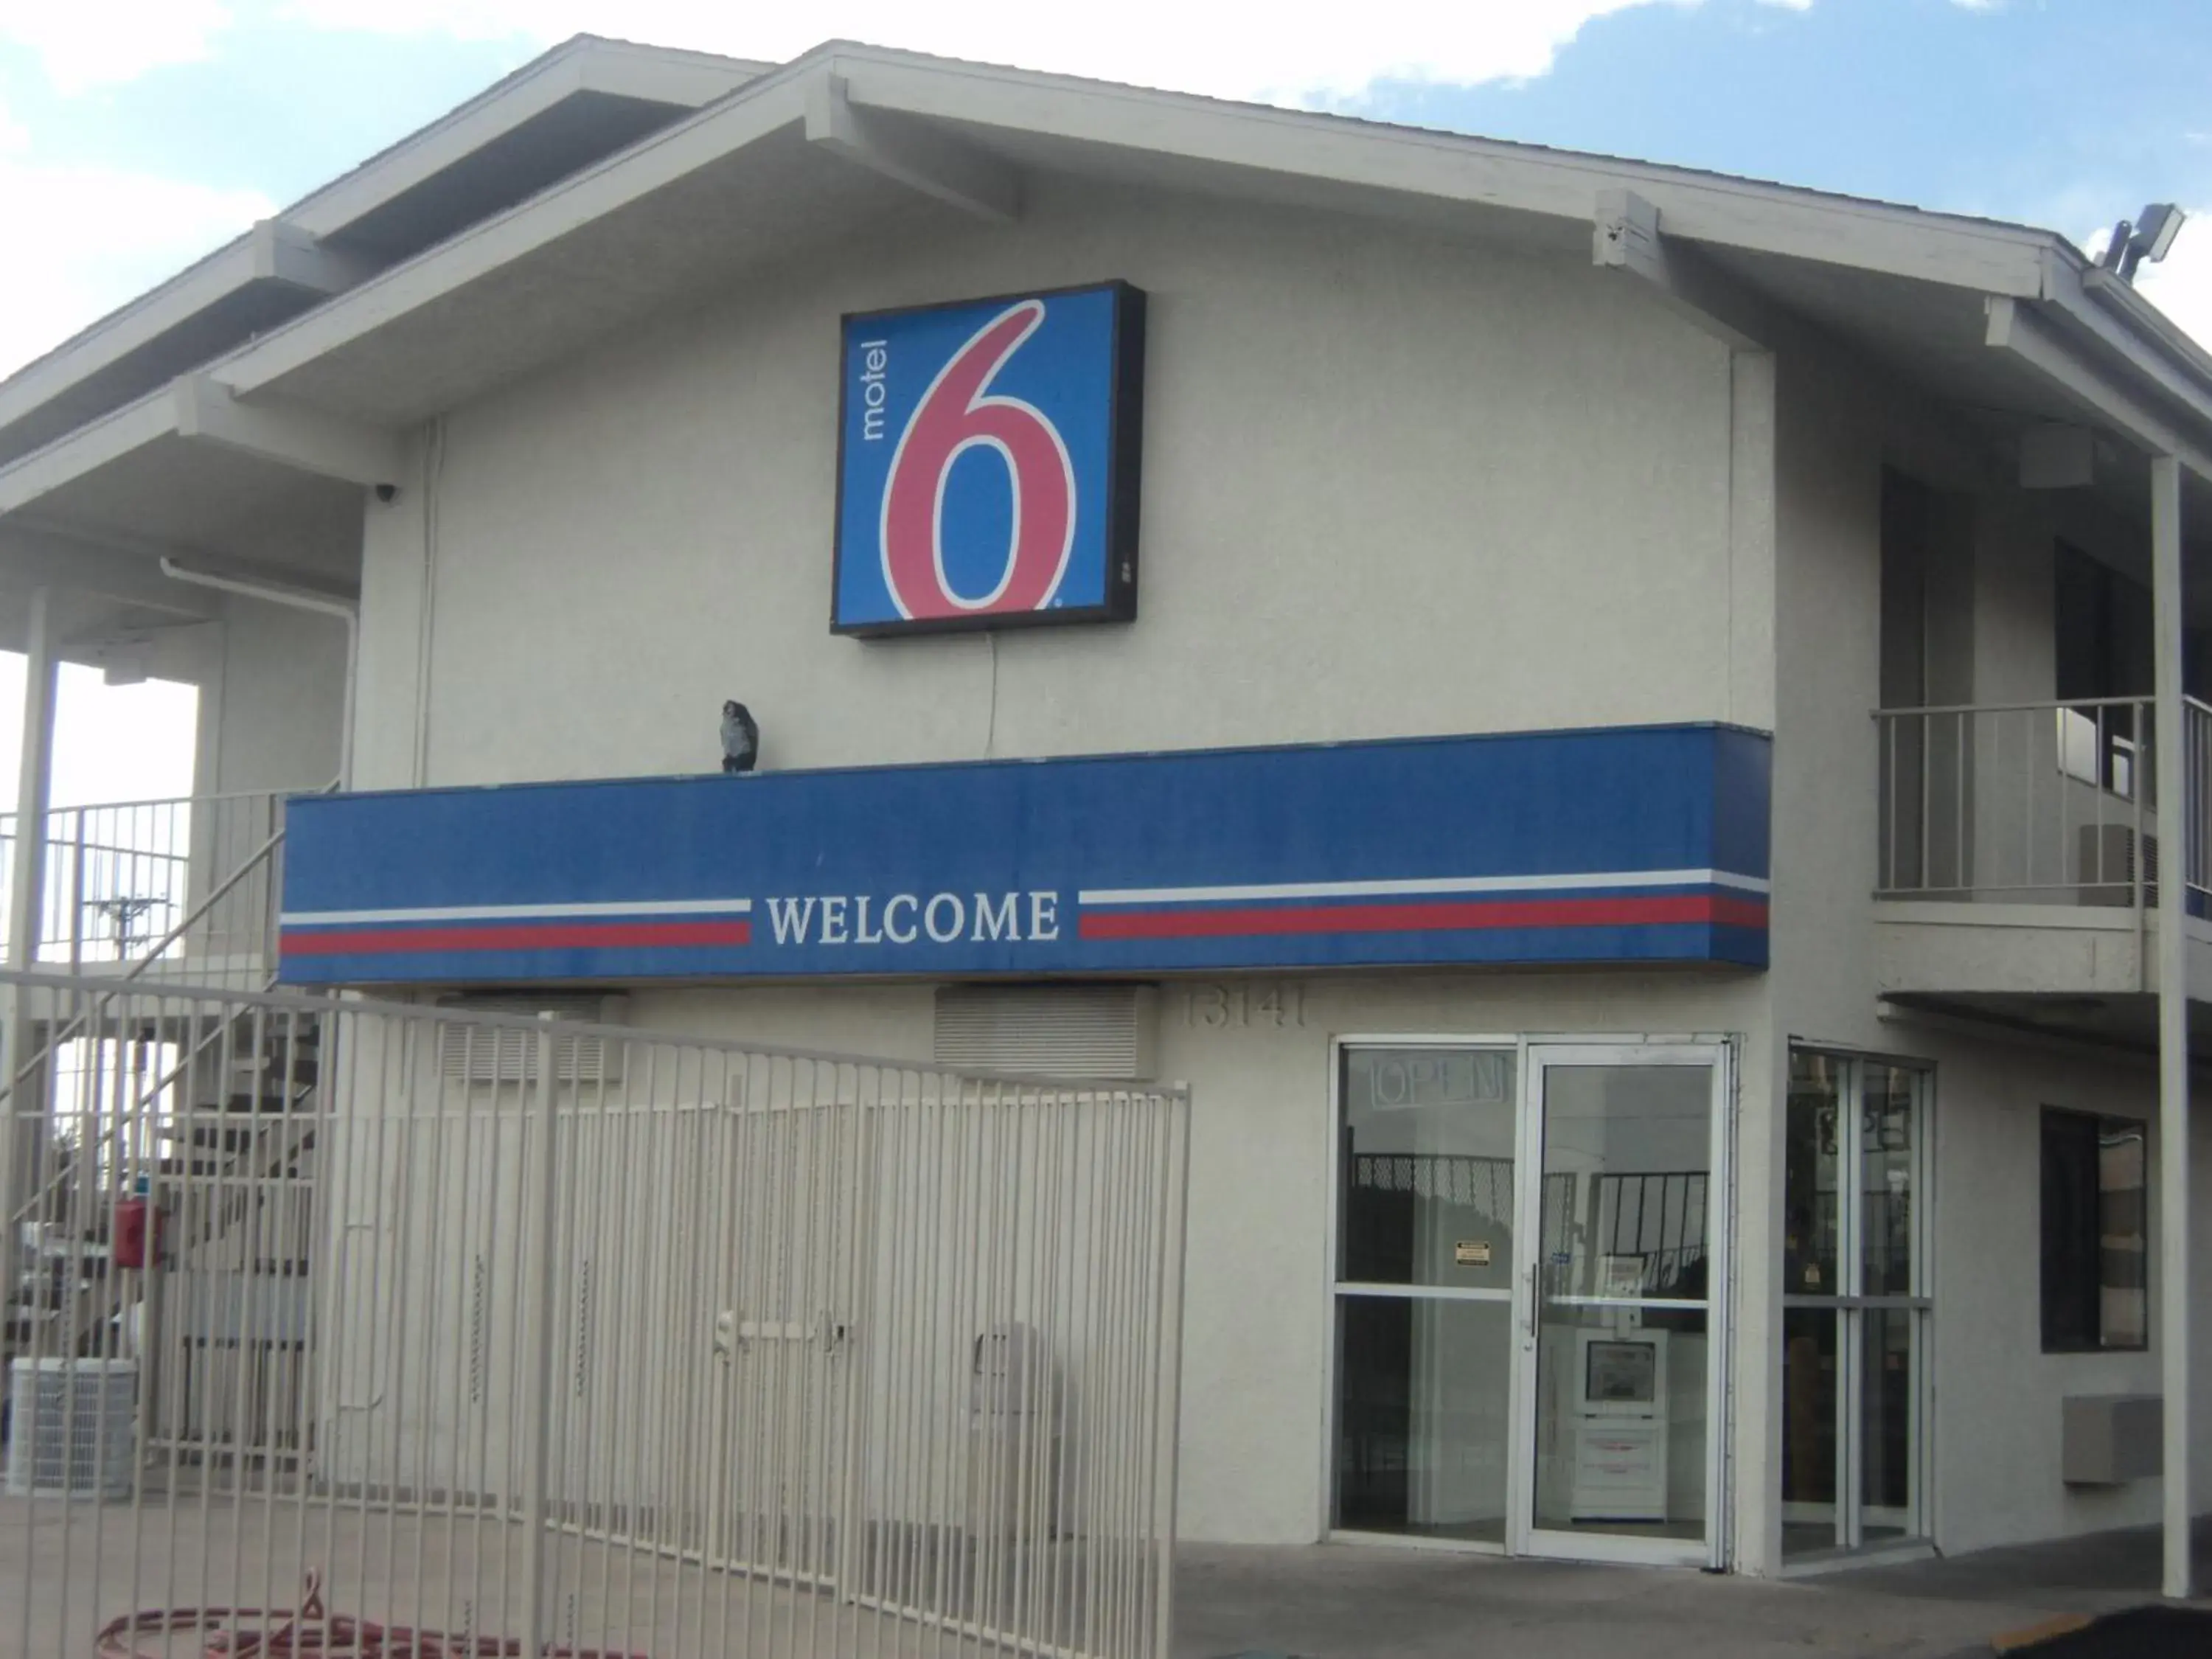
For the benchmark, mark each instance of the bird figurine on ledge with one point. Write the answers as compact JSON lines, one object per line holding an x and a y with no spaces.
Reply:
{"x":740,"y":737}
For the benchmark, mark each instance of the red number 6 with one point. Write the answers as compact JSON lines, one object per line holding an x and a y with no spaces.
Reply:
{"x":955,"y":415}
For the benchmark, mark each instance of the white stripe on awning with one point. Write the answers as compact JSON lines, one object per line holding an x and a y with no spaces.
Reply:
{"x":521,"y":912}
{"x":1299,"y":889}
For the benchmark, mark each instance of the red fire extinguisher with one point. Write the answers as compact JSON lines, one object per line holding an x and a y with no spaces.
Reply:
{"x":137,"y":1238}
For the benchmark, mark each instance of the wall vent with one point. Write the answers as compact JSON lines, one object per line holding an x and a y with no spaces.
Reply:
{"x":500,"y":1053}
{"x":1050,"y":1031}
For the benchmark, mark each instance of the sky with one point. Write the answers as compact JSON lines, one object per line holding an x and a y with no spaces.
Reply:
{"x":136,"y":135}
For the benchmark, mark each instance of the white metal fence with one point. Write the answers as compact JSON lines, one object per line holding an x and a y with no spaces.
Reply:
{"x":556,"y":1339}
{"x":2034,"y":802}
{"x":193,"y":882}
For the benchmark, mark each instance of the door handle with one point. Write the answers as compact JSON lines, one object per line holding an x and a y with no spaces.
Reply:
{"x":1528,"y":1313}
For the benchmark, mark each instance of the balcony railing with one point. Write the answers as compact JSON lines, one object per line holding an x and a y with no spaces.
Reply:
{"x":193,"y":882}
{"x":2049,"y":803}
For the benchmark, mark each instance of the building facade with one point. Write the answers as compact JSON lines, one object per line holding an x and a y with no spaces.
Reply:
{"x":1603,"y":718}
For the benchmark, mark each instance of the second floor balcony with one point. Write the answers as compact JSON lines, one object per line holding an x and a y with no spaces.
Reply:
{"x":2019,"y":849}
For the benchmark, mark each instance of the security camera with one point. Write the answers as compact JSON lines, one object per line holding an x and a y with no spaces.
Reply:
{"x":387,"y":493}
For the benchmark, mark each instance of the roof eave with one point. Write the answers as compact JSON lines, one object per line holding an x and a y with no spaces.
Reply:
{"x":1976,"y":255}
{"x":289,"y":249}
{"x":583,"y":64}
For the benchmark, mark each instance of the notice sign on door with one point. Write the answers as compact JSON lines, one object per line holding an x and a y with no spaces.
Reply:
{"x":1471,"y":1253}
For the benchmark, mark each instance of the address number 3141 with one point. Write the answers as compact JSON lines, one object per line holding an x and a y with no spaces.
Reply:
{"x":1211,"y":1007}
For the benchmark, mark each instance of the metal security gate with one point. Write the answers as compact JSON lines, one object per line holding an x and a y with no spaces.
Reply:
{"x":553,"y":1339}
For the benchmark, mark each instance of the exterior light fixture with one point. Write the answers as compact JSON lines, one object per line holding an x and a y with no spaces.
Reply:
{"x":2150,"y":237}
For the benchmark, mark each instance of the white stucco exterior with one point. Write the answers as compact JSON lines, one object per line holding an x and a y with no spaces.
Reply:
{"x":1409,"y":470}
{"x":1333,"y":414}
{"x":1394,"y":484}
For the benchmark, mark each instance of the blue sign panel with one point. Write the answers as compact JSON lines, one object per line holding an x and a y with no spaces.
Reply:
{"x":1639,"y":845}
{"x":986,"y":463}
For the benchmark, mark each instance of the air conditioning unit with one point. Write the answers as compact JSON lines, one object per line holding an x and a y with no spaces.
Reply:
{"x":72,"y":1428}
{"x":2105,"y":864}
{"x":1101,"y":1031}
{"x":504,"y":1054}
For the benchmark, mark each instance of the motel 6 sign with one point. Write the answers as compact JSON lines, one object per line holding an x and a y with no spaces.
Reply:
{"x":987,"y":460}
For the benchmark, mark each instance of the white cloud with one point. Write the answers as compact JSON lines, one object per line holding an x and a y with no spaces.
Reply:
{"x":103,"y":238}
{"x":1223,"y":50}
{"x":90,"y":43}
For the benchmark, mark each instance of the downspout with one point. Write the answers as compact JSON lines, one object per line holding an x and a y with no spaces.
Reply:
{"x":297,"y":598}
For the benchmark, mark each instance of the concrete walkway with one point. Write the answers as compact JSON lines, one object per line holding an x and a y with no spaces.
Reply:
{"x":1342,"y":1602}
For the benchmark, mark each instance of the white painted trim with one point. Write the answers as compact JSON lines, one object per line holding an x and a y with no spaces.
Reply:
{"x":2088,"y":298}
{"x":506,"y":912}
{"x":681,"y":80}
{"x":1978,"y":255}
{"x":2101,"y":396}
{"x":1966,"y":913}
{"x":289,"y":249}
{"x":1983,"y":255}
{"x":751,"y":114}
{"x":665,"y":75}
{"x":1528,"y":1536}
{"x":746,"y":101}
{"x":1332,"y":1289}
{"x":270,"y":251}
{"x":2175,"y":1249}
{"x":88,"y":449}
{"x":922,"y":158}
{"x":1627,"y":236}
{"x":198,"y":407}
{"x":1295,"y":890}
{"x":323,"y":445}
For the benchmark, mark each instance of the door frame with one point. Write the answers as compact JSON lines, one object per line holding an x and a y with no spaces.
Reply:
{"x":1333,"y":1288}
{"x":1849,"y":1307}
{"x":1527,"y":1536}
{"x":1522,"y":1537}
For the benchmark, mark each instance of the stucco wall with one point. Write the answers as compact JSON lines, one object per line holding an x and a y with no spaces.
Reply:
{"x":1998,"y":1395}
{"x":272,"y":698}
{"x":1394,"y":484}
{"x":1256,"y":1335}
{"x":1996,"y":1408}
{"x":1391,"y":484}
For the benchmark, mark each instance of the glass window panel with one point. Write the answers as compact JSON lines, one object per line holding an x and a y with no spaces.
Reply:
{"x":1809,"y":1338}
{"x":1427,"y":1167}
{"x":2095,"y":1243}
{"x":1627,"y":1159}
{"x":1887,"y":1388}
{"x":2124,"y":1279}
{"x":1422,"y":1416}
{"x":1811,"y":1158}
{"x":1886,"y":1196}
{"x":1620,"y":1421}
{"x":1876,"y":1418}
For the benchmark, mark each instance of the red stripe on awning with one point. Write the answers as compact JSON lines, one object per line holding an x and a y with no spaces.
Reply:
{"x":1429,"y":916}
{"x":514,"y":936}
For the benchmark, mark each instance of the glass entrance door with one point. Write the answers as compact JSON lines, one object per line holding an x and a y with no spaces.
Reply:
{"x":1855,"y":1309}
{"x":1426,"y":1267}
{"x":1620,"y":1355}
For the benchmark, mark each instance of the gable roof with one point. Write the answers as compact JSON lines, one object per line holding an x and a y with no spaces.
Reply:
{"x":786,"y":160}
